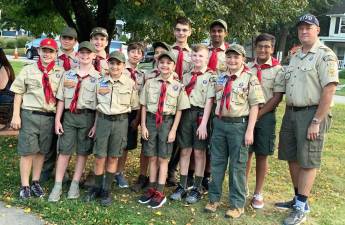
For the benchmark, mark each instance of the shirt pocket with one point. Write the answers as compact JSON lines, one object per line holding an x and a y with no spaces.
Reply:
{"x":171,"y":99}
{"x":89,"y":92}
{"x":124,"y":96}
{"x":32,"y":85}
{"x":288,"y":73}
{"x":268,"y":80}
{"x":69,"y":92}
{"x":239,"y":96}
{"x":104,"y":98}
{"x":153,"y":95}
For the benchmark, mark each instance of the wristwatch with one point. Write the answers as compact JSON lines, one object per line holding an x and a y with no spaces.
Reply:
{"x":315,"y":121}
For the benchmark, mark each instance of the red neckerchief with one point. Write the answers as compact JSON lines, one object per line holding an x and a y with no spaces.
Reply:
{"x":48,"y":92}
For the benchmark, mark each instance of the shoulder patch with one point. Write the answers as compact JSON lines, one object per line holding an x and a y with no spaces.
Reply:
{"x":330,"y":57}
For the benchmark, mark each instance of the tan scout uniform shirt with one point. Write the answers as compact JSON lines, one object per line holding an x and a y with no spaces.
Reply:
{"x":307,"y":74}
{"x":246,"y":92}
{"x":87,"y":91}
{"x":151,"y":74}
{"x":187,"y":52}
{"x":116,"y":96}
{"x":175,"y":99}
{"x":221,"y":65}
{"x":198,"y":95}
{"x":272,"y":79}
{"x":139,"y":75}
{"x":29,"y":84}
{"x":72,"y":59}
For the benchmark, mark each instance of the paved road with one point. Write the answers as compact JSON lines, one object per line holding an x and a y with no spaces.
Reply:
{"x":17,"y":216}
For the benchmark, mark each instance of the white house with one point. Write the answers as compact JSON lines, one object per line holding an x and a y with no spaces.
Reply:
{"x":336,"y":35}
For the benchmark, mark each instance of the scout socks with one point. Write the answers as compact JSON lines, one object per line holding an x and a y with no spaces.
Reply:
{"x":58,"y":185}
{"x":301,"y":201}
{"x":183,"y":181}
{"x":152,"y":185}
{"x":197,"y":182}
{"x":160,"y":187}
{"x":98,"y":181}
{"x":108,"y":180}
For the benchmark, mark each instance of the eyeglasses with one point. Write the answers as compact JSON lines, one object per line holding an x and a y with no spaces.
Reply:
{"x":263,"y":46}
{"x":181,"y":30}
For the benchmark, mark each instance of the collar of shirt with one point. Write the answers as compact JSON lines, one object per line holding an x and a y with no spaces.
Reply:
{"x":108,"y":78}
{"x":268,"y":62}
{"x":185,"y":48}
{"x":92,"y":72}
{"x":128,"y":66}
{"x":170,"y":78}
{"x":237,"y":74}
{"x":222,"y":47}
{"x":203,"y":70}
{"x":313,"y":49}
{"x":55,"y":69}
{"x":72,"y":55}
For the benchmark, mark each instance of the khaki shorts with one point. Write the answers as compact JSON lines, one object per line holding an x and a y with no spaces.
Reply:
{"x":186,"y":134}
{"x":111,"y":135}
{"x":36,"y":133}
{"x":158,"y":137}
{"x":264,"y":135}
{"x":293,"y":142}
{"x":76,"y":129}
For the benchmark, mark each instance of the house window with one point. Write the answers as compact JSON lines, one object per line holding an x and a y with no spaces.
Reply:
{"x":342,"y":26}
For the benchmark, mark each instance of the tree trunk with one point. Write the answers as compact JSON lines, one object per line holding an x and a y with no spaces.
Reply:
{"x":282,"y":40}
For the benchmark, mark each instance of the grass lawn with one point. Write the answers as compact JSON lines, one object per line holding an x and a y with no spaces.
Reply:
{"x":21,"y":51}
{"x":17,"y":66}
{"x":327,"y":200}
{"x":342,"y":91}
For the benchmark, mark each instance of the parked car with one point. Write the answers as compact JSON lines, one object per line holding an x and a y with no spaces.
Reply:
{"x":148,"y":56}
{"x":31,"y":48}
{"x":118,"y":46}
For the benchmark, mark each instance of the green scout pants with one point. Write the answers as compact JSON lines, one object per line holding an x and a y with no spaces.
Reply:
{"x":227,"y":145}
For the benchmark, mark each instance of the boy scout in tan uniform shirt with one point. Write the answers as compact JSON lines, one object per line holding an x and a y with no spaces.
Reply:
{"x":29,"y":84}
{"x":230,"y":132}
{"x":33,"y":113}
{"x":221,"y":65}
{"x":71,"y":35}
{"x":186,"y":56}
{"x":77,"y":103}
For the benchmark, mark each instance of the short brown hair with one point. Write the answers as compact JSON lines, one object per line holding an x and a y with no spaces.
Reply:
{"x":136,"y":46}
{"x":199,"y":47}
{"x":184,"y":21}
{"x":265,"y":37}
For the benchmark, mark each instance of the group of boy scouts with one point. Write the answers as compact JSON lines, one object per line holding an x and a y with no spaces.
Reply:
{"x":202,"y":108}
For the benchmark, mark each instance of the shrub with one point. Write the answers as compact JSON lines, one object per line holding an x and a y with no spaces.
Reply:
{"x":342,"y":74}
{"x":3,"y":43}
{"x":11,"y":43}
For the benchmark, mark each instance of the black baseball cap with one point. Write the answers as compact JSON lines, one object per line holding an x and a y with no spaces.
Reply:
{"x":309,"y":19}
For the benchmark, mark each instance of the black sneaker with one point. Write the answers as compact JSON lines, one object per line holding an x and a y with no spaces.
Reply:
{"x":36,"y":189}
{"x":296,"y":217}
{"x":290,"y":204}
{"x":105,"y":198}
{"x":93,"y":193}
{"x":193,"y":196}
{"x":25,"y":192}
{"x":178,"y":194}
{"x":158,"y":200}
{"x":141,"y":183}
{"x":147,"y":196}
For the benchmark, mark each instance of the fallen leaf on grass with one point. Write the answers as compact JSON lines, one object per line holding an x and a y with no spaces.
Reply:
{"x":27,"y":210}
{"x":8,"y":206}
{"x":173,"y":222}
{"x":158,"y":213}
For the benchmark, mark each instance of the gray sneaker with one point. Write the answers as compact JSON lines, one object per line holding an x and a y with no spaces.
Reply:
{"x":193,"y":196}
{"x":73,"y":192}
{"x":178,"y":194}
{"x":296,"y":217}
{"x":121,"y":180}
{"x":55,"y":194}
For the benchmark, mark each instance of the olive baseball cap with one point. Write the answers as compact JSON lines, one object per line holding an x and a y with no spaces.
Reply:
{"x":117,"y":55}
{"x":236,"y":48}
{"x":69,"y":32}
{"x":219,"y":22}
{"x":168,"y":54}
{"x":161,"y":44}
{"x":99,"y":30}
{"x":87,"y":45}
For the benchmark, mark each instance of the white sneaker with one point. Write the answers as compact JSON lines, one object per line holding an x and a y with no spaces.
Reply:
{"x":257,"y":201}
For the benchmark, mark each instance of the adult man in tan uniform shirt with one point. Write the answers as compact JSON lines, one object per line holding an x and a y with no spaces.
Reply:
{"x":311,"y":80}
